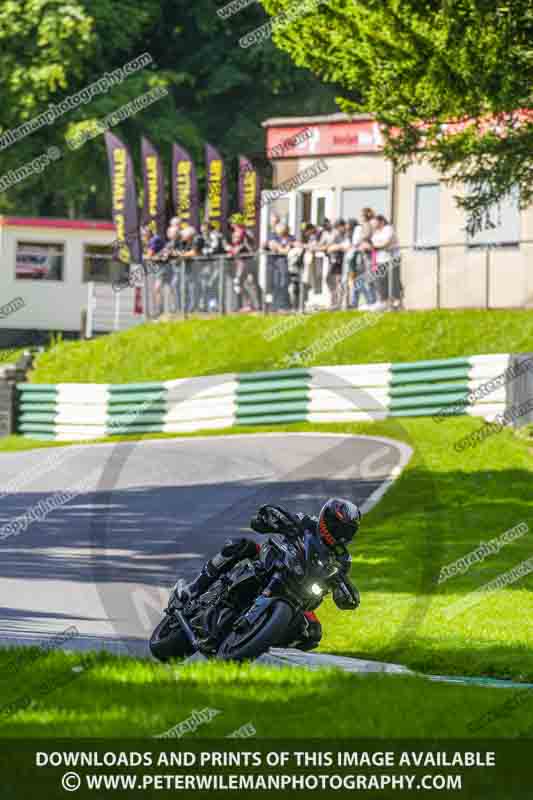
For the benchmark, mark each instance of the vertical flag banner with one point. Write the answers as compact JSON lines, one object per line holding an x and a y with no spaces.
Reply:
{"x":217,"y":190}
{"x":154,"y":189}
{"x":185,"y":187}
{"x":250,"y":196}
{"x":124,"y":200}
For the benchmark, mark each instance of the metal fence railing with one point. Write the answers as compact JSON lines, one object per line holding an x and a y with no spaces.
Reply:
{"x":495,"y":275}
{"x":109,"y":310}
{"x":263,"y":282}
{"x":211,"y":285}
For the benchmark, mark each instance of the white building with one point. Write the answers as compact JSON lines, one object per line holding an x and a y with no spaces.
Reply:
{"x":49,"y":264}
{"x":441,"y":265}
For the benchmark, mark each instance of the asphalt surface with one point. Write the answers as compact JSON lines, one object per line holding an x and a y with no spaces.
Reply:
{"x":98,"y":567}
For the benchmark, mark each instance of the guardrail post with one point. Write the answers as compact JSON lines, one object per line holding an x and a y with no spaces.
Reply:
{"x":116,"y":315}
{"x":90,"y":310}
{"x":438,"y":277}
{"x":487,"y":277}
{"x":519,"y":390}
{"x":221,"y":284}
{"x":146,"y":292}
{"x":390,"y":267}
{"x":183,"y":289}
{"x":301,"y":299}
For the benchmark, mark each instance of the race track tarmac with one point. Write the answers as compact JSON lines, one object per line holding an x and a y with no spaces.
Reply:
{"x":97,"y":568}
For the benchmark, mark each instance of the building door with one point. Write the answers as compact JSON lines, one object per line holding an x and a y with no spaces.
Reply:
{"x":322,"y":208}
{"x":321,"y":205}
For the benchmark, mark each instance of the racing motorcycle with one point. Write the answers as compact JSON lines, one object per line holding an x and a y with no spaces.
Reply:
{"x":258,"y":603}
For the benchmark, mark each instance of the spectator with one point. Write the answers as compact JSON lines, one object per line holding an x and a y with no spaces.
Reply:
{"x":326,"y":234}
{"x":165,"y":275}
{"x":244,"y":280}
{"x":213,"y":240}
{"x":385,"y":243}
{"x":191,"y":243}
{"x":310,"y":242}
{"x":189,"y":246}
{"x":275,"y":220}
{"x":152,"y":243}
{"x":208,"y":271}
{"x":362,"y":279}
{"x":336,"y":251}
{"x":280,"y":244}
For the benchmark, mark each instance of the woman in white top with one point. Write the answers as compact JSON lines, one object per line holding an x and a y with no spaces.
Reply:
{"x":360,"y":275}
{"x":387,"y":261}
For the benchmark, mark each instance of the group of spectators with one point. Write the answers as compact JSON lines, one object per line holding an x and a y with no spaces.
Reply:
{"x":198,"y":288}
{"x":361,"y":259}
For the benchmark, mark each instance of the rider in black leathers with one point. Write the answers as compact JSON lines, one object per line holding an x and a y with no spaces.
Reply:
{"x":337,"y":524}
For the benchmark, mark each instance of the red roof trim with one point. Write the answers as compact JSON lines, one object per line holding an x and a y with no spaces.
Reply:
{"x":47,"y":222}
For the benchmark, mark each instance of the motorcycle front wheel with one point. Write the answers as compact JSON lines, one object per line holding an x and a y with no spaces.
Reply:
{"x":271,"y":629}
{"x":169,"y":641}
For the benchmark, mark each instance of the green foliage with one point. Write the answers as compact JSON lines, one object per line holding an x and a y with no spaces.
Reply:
{"x":409,"y":61}
{"x":218,"y":90}
{"x":116,"y":696}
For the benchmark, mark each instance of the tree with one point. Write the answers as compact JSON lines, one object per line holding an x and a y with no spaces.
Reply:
{"x":421,"y":64}
{"x":218,"y":91}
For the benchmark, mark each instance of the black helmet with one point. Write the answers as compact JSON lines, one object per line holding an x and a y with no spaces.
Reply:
{"x":338,"y":521}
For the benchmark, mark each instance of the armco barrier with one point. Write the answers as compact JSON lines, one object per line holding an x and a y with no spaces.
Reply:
{"x":351,"y":393}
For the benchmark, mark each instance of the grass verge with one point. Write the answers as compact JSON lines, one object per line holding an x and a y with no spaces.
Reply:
{"x":120,"y":697}
{"x":171,"y":350}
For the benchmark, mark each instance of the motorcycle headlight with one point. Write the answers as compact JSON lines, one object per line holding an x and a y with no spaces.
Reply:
{"x":316,"y":589}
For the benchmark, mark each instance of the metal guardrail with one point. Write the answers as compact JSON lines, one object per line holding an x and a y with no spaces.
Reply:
{"x":264,"y":282}
{"x":205,"y":284}
{"x":261,"y":282}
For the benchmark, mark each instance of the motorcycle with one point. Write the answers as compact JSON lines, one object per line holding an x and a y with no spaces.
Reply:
{"x":257,"y":604}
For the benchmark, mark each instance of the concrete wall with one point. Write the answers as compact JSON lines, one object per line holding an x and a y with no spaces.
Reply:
{"x":469,"y":277}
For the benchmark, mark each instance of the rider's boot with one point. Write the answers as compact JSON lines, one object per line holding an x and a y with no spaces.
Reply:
{"x":233,"y":551}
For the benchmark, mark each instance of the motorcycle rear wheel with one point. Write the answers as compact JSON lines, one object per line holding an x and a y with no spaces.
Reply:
{"x":169,"y":641}
{"x":272,"y":628}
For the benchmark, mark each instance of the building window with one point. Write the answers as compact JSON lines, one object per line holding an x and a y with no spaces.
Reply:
{"x":320,"y":210}
{"x":100,"y":265}
{"x":375,"y":197}
{"x":307,"y":202}
{"x":427,"y":215}
{"x":505,"y":216}
{"x":39,"y":261}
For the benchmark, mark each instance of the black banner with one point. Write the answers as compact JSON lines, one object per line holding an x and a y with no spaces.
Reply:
{"x":185,"y":187}
{"x":154,"y":189}
{"x":124,"y":200}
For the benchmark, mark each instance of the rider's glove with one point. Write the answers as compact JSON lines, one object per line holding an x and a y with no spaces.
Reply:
{"x":346,"y":596}
{"x":306,"y":522}
{"x":259,"y":522}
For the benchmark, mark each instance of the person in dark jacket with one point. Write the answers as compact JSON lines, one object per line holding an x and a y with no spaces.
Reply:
{"x":336,"y":524}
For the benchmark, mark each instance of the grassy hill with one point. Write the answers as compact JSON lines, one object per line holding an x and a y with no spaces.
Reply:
{"x":244,"y":344}
{"x":440,"y":509}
